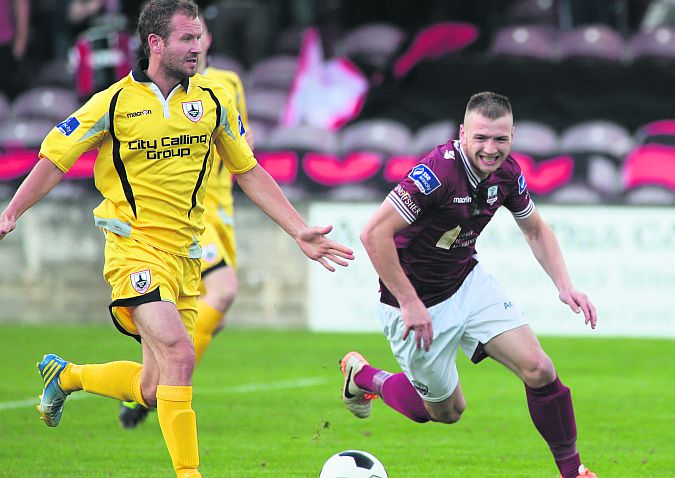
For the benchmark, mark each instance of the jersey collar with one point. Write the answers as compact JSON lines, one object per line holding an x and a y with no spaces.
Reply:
{"x":138,"y":74}
{"x":468,"y":167}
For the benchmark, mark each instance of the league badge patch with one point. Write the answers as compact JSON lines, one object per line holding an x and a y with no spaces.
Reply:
{"x":209,"y":253}
{"x":522,"y":184}
{"x":67,"y":127}
{"x":492,"y":194}
{"x":141,"y":281}
{"x":193,"y":110}
{"x":242,"y":131}
{"x":424,"y":178}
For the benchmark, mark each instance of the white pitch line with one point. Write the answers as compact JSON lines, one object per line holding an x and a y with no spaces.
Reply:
{"x":238,"y":389}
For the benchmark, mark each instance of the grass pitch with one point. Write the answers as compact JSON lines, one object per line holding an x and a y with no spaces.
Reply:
{"x":268,"y":405}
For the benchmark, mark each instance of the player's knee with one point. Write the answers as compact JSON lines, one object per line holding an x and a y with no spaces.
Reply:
{"x":181,"y":357}
{"x":450,"y":414}
{"x":222,"y":297}
{"x":538,"y":370}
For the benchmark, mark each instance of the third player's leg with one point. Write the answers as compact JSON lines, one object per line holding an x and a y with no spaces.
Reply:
{"x":221,"y":286}
{"x":519,"y":350}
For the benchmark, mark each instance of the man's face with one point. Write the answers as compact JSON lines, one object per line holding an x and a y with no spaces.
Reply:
{"x":487,"y":142}
{"x":182,"y":48}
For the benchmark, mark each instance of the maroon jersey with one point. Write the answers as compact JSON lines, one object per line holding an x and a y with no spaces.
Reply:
{"x":447,"y":207}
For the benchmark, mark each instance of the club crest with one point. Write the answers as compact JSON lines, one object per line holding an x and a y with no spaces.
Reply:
{"x":193,"y":110}
{"x":492,"y":194}
{"x":141,"y":281}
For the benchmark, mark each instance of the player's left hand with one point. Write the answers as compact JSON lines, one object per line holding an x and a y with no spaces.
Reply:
{"x":315,"y":245}
{"x":578,"y":302}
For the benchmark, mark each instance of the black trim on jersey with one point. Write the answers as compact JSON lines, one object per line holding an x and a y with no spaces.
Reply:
{"x":117,"y":158}
{"x":139,"y":74}
{"x":152,"y":296}
{"x":205,"y":162}
{"x":214,"y":267}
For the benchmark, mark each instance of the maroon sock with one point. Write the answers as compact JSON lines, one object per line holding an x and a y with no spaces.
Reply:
{"x":553,"y":415}
{"x":395,"y":390}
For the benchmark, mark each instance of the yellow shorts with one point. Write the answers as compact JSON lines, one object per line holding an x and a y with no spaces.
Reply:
{"x":138,"y":273}
{"x":218,"y":244}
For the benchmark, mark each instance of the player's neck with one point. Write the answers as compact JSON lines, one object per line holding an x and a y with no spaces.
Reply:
{"x":164,"y":81}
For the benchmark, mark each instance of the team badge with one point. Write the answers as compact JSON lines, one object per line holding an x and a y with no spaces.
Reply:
{"x":209,"y":253}
{"x":492,"y":194}
{"x":141,"y":281}
{"x":193,"y":110}
{"x":522,"y":184}
{"x":424,"y":178}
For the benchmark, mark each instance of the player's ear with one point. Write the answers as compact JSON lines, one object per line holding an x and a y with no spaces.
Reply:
{"x":155,"y":43}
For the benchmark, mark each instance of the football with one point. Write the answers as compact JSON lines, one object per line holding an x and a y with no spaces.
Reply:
{"x":353,"y":464}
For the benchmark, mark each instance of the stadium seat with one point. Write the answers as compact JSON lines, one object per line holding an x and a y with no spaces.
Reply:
{"x":525,"y":41}
{"x":373,"y":44}
{"x":431,"y":135}
{"x":658,"y":132}
{"x":261,"y":131}
{"x":380,"y":135}
{"x":225,"y":62}
{"x":24,"y":132}
{"x":275,"y":72}
{"x":54,"y":104}
{"x":650,"y":195}
{"x":535,"y":138}
{"x":658,"y":44}
{"x":596,"y":136}
{"x":575,"y":193}
{"x":266,"y":106}
{"x":303,"y":138}
{"x":436,"y":41}
{"x":597,"y":42}
{"x":534,"y":12}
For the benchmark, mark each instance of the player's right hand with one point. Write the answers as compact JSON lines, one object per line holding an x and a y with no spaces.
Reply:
{"x":6,"y":226}
{"x":416,"y":318}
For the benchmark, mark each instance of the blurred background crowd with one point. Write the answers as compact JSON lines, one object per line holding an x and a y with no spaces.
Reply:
{"x":344,"y":95}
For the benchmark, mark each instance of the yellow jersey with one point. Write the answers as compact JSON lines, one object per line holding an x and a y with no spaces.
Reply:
{"x":219,"y":203}
{"x":155,"y":155}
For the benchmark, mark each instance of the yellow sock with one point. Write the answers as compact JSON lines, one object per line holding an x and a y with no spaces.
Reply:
{"x":179,"y":427}
{"x":208,"y":319}
{"x":120,"y":380}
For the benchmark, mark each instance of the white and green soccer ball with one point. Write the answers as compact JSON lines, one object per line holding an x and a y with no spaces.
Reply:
{"x":353,"y":464}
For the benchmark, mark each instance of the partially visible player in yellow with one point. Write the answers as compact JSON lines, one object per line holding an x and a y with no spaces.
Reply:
{"x":155,"y":131}
{"x":219,"y":283}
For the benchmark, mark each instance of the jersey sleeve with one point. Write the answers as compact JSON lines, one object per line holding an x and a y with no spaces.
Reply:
{"x":423,"y":187}
{"x":79,"y":133}
{"x":518,"y":201}
{"x":230,"y":141}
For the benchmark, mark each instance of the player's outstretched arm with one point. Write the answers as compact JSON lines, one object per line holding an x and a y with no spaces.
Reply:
{"x":264,"y":191}
{"x":378,"y":239}
{"x":42,"y":179}
{"x":544,"y":245}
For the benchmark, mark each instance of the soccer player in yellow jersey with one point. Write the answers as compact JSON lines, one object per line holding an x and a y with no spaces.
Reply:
{"x":155,"y":131}
{"x":219,"y":253}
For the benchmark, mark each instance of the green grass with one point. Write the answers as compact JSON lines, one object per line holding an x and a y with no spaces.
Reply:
{"x":622,"y":388}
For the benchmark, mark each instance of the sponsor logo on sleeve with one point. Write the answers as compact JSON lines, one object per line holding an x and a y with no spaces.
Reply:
{"x":492,"y":194}
{"x":193,"y":110}
{"x":242,"y":131}
{"x":141,"y":281}
{"x":68,"y":126}
{"x":424,"y":178}
{"x":522,"y":184}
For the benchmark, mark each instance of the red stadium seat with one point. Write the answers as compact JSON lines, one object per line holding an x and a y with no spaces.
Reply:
{"x":597,"y":42}
{"x":379,"y":135}
{"x":525,"y":41}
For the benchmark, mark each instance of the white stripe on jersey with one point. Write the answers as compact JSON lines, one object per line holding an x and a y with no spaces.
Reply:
{"x":402,"y":209}
{"x":525,"y":212}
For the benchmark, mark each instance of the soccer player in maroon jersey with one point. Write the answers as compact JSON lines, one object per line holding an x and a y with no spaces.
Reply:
{"x":436,"y":297}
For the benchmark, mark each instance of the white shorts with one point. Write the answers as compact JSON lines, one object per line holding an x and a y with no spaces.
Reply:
{"x":477,"y":312}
